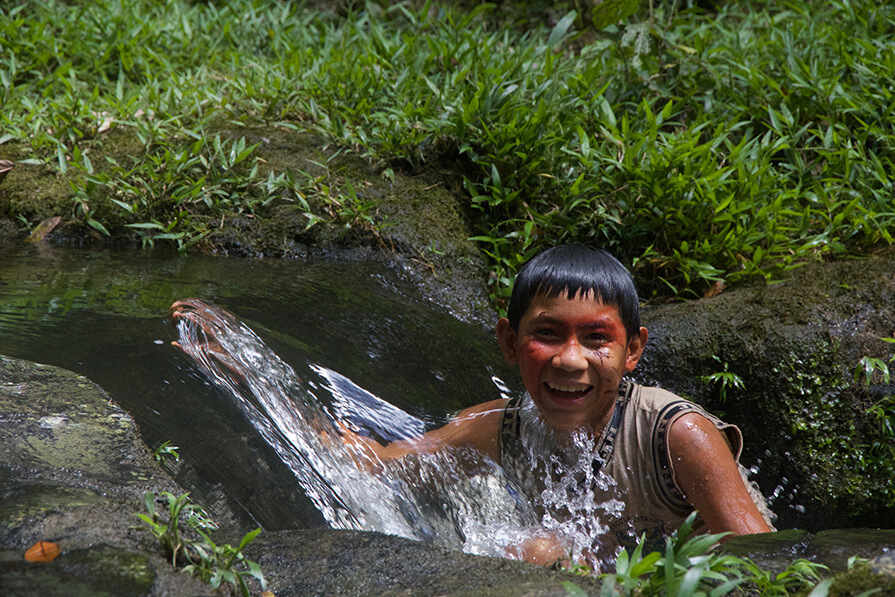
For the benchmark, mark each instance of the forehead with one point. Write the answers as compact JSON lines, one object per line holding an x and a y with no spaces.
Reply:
{"x":582,"y":306}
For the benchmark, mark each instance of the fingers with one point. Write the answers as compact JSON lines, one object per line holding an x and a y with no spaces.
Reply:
{"x":188,"y":305}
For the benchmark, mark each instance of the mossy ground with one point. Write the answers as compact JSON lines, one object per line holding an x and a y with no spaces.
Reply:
{"x":862,"y":580}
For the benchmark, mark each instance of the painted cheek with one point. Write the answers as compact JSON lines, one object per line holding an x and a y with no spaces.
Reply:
{"x":534,"y":355}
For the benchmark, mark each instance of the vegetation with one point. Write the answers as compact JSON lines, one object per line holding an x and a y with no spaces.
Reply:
{"x":212,"y":563}
{"x":879,"y":453}
{"x":164,"y":451}
{"x":690,"y":566}
{"x":703,"y":147}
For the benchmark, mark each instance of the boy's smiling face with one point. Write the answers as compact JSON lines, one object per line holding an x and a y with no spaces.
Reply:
{"x":572,"y":354}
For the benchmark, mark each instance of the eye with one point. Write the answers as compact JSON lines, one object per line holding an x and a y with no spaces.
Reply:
{"x":598,"y":339}
{"x":545,"y":333}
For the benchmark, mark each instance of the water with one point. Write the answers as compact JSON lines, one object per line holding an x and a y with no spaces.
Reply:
{"x":455,"y":498}
{"x":315,"y":343}
{"x":105,"y":314}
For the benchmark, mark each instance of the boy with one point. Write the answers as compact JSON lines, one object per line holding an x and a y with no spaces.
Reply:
{"x":573,"y":330}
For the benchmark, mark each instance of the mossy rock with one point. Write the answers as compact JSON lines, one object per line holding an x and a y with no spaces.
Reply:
{"x":795,"y":346}
{"x":73,"y":471}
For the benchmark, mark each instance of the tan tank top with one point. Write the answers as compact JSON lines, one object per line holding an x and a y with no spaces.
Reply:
{"x":633,"y":452}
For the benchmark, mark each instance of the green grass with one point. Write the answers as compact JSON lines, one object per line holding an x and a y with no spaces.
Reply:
{"x":700,"y":147}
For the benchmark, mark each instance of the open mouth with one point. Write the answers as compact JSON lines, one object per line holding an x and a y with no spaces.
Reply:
{"x":567,"y":392}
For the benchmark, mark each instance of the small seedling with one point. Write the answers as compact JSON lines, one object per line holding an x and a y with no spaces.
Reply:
{"x":165,"y":451}
{"x":201,"y":557}
{"x":725,"y":380}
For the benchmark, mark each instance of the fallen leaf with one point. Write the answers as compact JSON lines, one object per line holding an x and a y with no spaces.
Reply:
{"x":43,"y":229}
{"x":715,"y":289}
{"x":42,"y":551}
{"x":5,"y":167}
{"x":105,"y":123}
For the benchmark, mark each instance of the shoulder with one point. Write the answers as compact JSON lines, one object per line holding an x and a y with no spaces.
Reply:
{"x":654,"y":399}
{"x":692,"y":429}
{"x":485,"y":410}
{"x":477,"y":426}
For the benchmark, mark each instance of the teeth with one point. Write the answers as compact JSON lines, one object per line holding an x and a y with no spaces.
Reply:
{"x":567,"y":387}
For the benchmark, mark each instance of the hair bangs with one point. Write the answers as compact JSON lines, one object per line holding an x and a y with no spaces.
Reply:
{"x":576,"y":271}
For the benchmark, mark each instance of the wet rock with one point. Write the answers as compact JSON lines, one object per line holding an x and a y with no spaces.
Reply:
{"x":73,"y":470}
{"x":360,"y":563}
{"x":832,"y":548}
{"x":818,"y":453}
{"x":884,"y":564}
{"x":860,"y":560}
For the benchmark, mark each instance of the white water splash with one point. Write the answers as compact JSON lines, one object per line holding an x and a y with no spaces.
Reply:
{"x":456,"y":498}
{"x":574,"y":500}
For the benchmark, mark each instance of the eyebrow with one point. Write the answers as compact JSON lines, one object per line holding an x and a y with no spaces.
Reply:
{"x":600,"y":323}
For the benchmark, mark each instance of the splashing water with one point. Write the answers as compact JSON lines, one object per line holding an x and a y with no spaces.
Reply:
{"x":574,"y":498}
{"x":457,"y":498}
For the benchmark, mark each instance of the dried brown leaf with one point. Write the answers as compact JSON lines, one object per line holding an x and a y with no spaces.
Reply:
{"x":43,"y":229}
{"x":715,"y":289}
{"x":42,"y":551}
{"x":5,"y":167}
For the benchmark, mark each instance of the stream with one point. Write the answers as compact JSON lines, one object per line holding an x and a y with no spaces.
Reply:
{"x":300,"y":350}
{"x":349,"y":329}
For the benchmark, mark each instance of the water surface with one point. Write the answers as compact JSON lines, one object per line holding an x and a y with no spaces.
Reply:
{"x":104,"y":314}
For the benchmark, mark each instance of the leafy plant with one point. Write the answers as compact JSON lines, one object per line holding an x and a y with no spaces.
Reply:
{"x":690,"y":566}
{"x":218,"y":563}
{"x":724,"y":380}
{"x":165,"y":451}
{"x":202,"y":557}
{"x":168,"y":533}
{"x":700,"y":146}
{"x":868,"y":367}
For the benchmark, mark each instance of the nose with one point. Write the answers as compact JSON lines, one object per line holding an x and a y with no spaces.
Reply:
{"x":570,"y":357}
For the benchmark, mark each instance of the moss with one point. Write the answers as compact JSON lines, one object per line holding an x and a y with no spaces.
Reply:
{"x":32,"y":192}
{"x":23,"y":501}
{"x":860,"y":579}
{"x":93,"y":572}
{"x":73,"y":427}
{"x":795,"y":346}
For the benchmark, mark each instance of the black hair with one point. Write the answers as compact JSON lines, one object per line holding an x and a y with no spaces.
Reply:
{"x":574,"y":270}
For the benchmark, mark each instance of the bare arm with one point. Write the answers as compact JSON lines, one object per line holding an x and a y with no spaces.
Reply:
{"x":707,"y":473}
{"x":475,"y":427}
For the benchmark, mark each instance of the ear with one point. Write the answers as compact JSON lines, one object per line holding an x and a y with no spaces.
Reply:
{"x":635,"y":349}
{"x":506,"y":338}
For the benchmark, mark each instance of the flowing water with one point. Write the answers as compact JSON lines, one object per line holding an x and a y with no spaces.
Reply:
{"x":310,"y":344}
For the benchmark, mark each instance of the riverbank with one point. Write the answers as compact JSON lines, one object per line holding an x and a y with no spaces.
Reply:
{"x":706,"y":145}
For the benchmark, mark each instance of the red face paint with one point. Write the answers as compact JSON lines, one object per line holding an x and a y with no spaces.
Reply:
{"x":572,"y":354}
